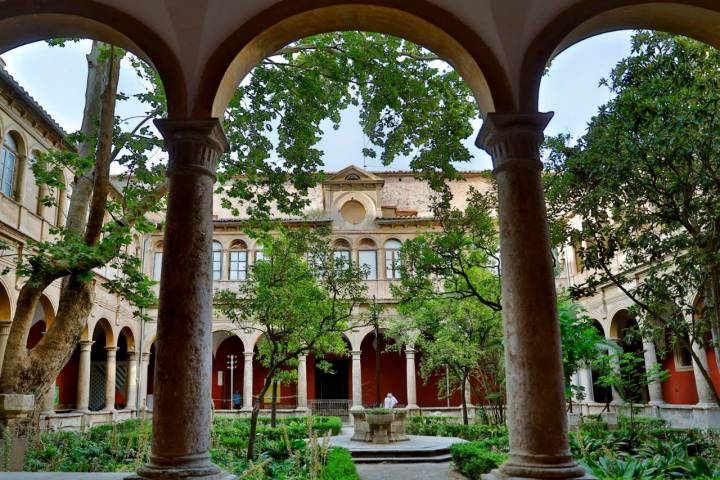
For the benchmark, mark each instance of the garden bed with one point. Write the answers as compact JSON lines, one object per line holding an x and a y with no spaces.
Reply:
{"x":294,"y":450}
{"x":644,"y":448}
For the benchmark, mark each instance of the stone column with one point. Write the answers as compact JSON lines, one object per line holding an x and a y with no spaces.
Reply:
{"x":132,"y":381}
{"x":110,"y":374}
{"x":357,"y":403}
{"x":410,"y":379}
{"x":615,"y":365}
{"x":4,"y":334}
{"x":182,"y":401}
{"x":705,"y":393}
{"x":654,"y":387}
{"x":586,"y":381}
{"x":83,"y":391}
{"x":48,"y":401}
{"x":537,"y":420}
{"x":248,"y":381}
{"x":302,"y":398}
{"x":144,"y":366}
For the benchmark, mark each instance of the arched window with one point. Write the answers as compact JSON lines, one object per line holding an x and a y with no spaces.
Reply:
{"x":217,"y":260}
{"x":8,"y":161}
{"x":392,"y":259}
{"x":157,"y":261}
{"x":367,"y":258}
{"x":342,"y":251}
{"x":238,"y":260}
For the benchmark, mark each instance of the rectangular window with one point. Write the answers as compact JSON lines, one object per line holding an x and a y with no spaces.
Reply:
{"x":343,"y":256}
{"x":259,"y":256}
{"x":217,"y":264}
{"x":368,"y":262}
{"x":238,"y":265}
{"x":392,"y":264}
{"x":157,"y":266}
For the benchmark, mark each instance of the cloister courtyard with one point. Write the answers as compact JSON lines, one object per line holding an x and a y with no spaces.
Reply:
{"x":359,"y":240}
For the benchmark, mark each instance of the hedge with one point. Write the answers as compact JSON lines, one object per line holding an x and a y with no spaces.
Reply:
{"x":473,"y":459}
{"x":339,"y":466}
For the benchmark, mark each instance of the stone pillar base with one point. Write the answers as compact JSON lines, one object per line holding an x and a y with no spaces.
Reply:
{"x":302,"y":411}
{"x":15,"y":425}
{"x":204,"y":472}
{"x":527,"y":471}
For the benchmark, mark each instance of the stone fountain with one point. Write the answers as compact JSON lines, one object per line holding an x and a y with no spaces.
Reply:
{"x":379,"y":425}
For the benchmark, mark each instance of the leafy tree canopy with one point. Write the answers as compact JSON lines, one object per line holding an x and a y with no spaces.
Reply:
{"x":639,"y":194}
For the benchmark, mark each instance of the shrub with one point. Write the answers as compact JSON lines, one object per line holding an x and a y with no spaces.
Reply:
{"x":449,"y":427}
{"x":474,"y":458}
{"x":339,"y":466}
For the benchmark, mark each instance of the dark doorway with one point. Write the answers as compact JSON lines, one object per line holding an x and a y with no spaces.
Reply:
{"x":333,"y":385}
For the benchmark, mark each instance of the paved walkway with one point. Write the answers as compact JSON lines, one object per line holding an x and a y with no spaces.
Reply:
{"x":407,"y":471}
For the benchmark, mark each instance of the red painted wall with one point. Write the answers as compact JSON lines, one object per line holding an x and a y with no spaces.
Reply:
{"x":712,"y":367}
{"x":221,"y":393}
{"x":680,"y":387}
{"x":392,"y":372}
{"x":67,"y":383}
{"x":428,"y":393}
{"x":288,"y":393}
{"x":35,"y":334}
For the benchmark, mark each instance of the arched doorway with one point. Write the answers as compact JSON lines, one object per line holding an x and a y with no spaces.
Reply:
{"x":383,"y":370}
{"x":227,"y":370}
{"x":624,"y":328}
{"x":103,"y":343}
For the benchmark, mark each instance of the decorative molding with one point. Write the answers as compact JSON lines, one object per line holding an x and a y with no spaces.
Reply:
{"x":513,"y":139}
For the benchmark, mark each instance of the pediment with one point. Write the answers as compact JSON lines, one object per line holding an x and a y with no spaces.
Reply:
{"x":353,"y":175}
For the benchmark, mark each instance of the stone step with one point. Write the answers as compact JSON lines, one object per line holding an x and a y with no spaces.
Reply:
{"x":424,"y":459}
{"x":399,"y":453}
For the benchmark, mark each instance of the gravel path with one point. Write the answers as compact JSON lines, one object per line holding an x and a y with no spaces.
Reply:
{"x":409,"y":471}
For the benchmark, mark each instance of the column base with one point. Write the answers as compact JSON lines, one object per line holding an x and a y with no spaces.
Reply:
{"x":302,"y":411}
{"x":528,"y":471}
{"x":656,"y":403}
{"x":207,"y":472}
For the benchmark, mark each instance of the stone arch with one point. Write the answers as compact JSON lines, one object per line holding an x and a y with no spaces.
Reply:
{"x":107,"y":329}
{"x":6,"y":305}
{"x":220,"y":334}
{"x":23,"y":22}
{"x":225,"y":386}
{"x":419,"y":21}
{"x":699,"y":19}
{"x":129,"y":336}
{"x":363,"y":199}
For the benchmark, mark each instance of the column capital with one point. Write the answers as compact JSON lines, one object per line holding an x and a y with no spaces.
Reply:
{"x":111,"y":350}
{"x":194,"y":144}
{"x":145,"y":356}
{"x":513,"y":139}
{"x":248,"y":355}
{"x":132,"y":355}
{"x":410,"y":352}
{"x":356,"y":353}
{"x":5,"y":327}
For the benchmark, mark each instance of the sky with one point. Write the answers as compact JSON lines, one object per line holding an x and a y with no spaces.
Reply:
{"x":55,"y":77}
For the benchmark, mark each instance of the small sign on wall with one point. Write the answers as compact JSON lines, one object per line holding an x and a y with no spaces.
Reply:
{"x":220,"y":378}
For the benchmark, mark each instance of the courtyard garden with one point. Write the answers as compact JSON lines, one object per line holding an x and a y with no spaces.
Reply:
{"x":641,"y":448}
{"x":298,"y":448}
{"x":295,"y":449}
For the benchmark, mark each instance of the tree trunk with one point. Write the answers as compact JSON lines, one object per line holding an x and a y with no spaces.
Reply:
{"x":256,"y":412}
{"x":715,"y":316}
{"x":32,"y":372}
{"x":273,"y":408}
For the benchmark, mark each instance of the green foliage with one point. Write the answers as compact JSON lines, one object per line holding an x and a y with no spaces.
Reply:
{"x":492,"y":435}
{"x":644,"y":182}
{"x":339,"y":466}
{"x":449,"y":296}
{"x":378,"y":411}
{"x":285,"y":451}
{"x":301,"y":298}
{"x":474,"y":459}
{"x":580,"y":341}
{"x":411,"y":103}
